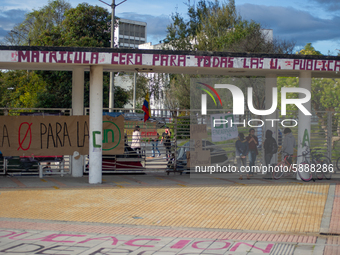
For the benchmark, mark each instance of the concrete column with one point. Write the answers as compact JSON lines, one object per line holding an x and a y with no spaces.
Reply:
{"x":304,"y":121}
{"x":270,"y":83}
{"x":134,"y":91}
{"x":77,"y":109}
{"x":96,"y":124}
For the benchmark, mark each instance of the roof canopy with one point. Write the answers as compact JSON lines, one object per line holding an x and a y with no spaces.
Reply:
{"x":165,"y":61}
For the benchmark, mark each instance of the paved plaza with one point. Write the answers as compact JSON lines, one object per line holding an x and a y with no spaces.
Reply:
{"x":175,"y":214}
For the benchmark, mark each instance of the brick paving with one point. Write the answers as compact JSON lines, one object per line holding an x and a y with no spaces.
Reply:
{"x":281,"y":208}
{"x":334,"y":227}
{"x":145,"y":231}
{"x":287,"y":213}
{"x":333,"y":246}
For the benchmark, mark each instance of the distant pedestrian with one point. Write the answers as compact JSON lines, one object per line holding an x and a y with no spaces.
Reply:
{"x":253,"y":142}
{"x":279,"y":138}
{"x":136,"y":137}
{"x":242,"y":149}
{"x":270,"y":147}
{"x":289,"y":144}
{"x":125,"y":140}
{"x":166,"y":137}
{"x":154,"y":144}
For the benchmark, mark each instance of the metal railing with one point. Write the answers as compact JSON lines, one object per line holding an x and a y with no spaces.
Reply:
{"x":325,"y":134}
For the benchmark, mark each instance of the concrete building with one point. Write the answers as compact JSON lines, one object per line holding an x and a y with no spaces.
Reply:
{"x":157,"y":98}
{"x":157,"y":80}
{"x":149,"y":46}
{"x":159,"y":102}
{"x":125,"y":82}
{"x":130,"y":33}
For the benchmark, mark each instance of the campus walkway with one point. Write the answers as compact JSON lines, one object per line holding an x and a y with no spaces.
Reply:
{"x":175,"y":214}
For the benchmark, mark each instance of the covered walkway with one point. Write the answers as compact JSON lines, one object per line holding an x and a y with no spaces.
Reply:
{"x":98,"y":60}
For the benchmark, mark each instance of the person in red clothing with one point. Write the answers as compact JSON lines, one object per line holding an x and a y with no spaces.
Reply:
{"x":253,"y":142}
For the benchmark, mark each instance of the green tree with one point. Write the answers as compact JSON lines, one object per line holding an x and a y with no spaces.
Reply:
{"x":20,"y":89}
{"x":325,"y":95}
{"x":181,"y":33}
{"x":155,"y":84}
{"x":213,"y":26}
{"x":324,"y":91}
{"x":57,"y":24}
{"x":83,"y":26}
{"x":37,"y":21}
{"x":121,"y":97}
{"x":294,"y":82}
{"x":58,"y":92}
{"x":309,"y":50}
{"x":142,"y":82}
{"x":221,"y":29}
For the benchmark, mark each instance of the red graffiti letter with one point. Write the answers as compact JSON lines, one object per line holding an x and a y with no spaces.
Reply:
{"x":23,"y":140}
{"x":115,"y":240}
{"x":267,"y":250}
{"x":180,"y":244}
{"x":194,"y":245}
{"x":51,"y":238}
{"x":131,"y":242}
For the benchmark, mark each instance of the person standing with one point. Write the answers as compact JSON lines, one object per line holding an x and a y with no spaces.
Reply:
{"x":270,"y":147}
{"x":125,"y":139}
{"x":242,"y":149}
{"x":166,"y":136}
{"x":136,"y":140}
{"x":154,"y":144}
{"x":252,"y":142}
{"x":289,"y":144}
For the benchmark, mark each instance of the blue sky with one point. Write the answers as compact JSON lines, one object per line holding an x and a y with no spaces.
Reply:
{"x":303,"y":21}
